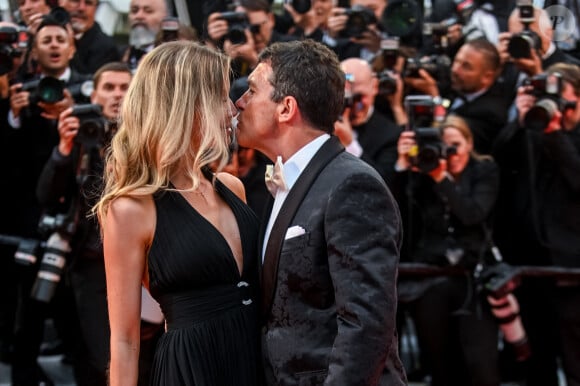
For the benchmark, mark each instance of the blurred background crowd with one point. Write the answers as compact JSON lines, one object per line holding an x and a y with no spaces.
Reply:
{"x":469,"y":110}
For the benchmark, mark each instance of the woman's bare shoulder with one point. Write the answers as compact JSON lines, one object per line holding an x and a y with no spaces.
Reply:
{"x":234,"y":184}
{"x":133,"y":215}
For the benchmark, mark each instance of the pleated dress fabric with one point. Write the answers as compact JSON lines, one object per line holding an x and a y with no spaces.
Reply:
{"x":210,"y":308}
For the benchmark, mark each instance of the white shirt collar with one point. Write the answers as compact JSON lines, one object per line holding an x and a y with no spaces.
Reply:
{"x":296,"y":164}
{"x":65,"y":77}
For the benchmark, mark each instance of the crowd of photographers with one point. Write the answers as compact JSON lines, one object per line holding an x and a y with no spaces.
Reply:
{"x":470,"y":111}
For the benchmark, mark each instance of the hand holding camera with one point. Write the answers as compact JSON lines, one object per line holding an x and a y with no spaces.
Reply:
{"x":68,"y":126}
{"x":19,"y":99}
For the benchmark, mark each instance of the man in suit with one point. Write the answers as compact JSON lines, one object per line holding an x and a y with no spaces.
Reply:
{"x":331,"y":244}
{"x":93,"y":47}
{"x":363,"y":130}
{"x":475,"y":94}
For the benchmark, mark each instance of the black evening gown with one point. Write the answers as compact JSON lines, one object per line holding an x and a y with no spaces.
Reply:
{"x":212,"y":337}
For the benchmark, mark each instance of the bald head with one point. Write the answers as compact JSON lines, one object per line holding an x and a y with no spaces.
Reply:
{"x":541,"y":25}
{"x":363,"y":85}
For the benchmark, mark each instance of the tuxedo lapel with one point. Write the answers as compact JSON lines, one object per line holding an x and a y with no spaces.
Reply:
{"x":325,"y":154}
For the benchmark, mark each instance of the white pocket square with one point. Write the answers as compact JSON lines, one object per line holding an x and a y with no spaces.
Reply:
{"x":294,"y":231}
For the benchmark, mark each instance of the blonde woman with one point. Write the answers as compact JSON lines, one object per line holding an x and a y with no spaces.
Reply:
{"x":170,"y":223}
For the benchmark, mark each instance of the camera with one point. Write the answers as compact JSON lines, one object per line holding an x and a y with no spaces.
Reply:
{"x":60,"y":230}
{"x":51,"y":267}
{"x":60,"y":15}
{"x":300,"y":6}
{"x":359,"y":18}
{"x":547,"y":89}
{"x":27,"y":251}
{"x":169,"y":29}
{"x":389,"y":55}
{"x":521,"y":44}
{"x":47,"y":90}
{"x":237,"y":24}
{"x":9,"y":36}
{"x":91,"y":132}
{"x":402,"y":18}
{"x":424,"y":112}
{"x":437,"y":66}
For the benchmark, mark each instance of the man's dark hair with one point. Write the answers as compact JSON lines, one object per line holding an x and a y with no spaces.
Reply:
{"x":113,"y":67}
{"x":489,"y":51}
{"x":570,"y":74}
{"x":256,"y":5}
{"x":49,"y":20}
{"x":310,"y":72}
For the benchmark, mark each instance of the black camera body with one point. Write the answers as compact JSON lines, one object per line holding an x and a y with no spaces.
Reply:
{"x":547,"y":89}
{"x":8,"y":37}
{"x":238,"y":23}
{"x":388,"y":56}
{"x":47,"y":90}
{"x":422,"y":111}
{"x":169,"y":29}
{"x":359,"y":18}
{"x":521,"y":44}
{"x":437,"y":66}
{"x":91,"y":132}
{"x":300,"y":6}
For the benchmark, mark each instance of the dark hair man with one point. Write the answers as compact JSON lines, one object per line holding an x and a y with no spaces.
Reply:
{"x":93,"y":47}
{"x":331,"y":245}
{"x":475,"y":95}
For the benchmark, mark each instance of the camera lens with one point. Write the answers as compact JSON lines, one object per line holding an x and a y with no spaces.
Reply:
{"x":401,"y":18}
{"x":50,"y":90}
{"x":540,"y":115}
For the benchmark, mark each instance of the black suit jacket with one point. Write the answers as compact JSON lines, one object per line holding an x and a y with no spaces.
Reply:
{"x":329,"y":295}
{"x":94,"y":49}
{"x":378,"y":137}
{"x":485,"y":115}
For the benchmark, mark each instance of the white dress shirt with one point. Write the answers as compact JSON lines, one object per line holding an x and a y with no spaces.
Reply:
{"x":293,"y":167}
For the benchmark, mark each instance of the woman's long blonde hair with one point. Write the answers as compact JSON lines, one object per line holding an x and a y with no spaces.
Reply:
{"x":173,"y":119}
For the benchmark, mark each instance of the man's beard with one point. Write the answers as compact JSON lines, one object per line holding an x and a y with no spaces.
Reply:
{"x":140,"y":36}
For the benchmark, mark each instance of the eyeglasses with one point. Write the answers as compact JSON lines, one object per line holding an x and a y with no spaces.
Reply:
{"x":256,"y":28}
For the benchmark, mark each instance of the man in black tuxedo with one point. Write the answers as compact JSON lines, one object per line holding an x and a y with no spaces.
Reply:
{"x":475,"y":95}
{"x":93,"y":47}
{"x":331,"y":245}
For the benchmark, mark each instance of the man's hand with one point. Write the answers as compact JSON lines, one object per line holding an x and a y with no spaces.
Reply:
{"x":531,"y":66}
{"x":405,"y":144}
{"x":440,"y":172}
{"x":53,"y":110}
{"x":454,"y":33}
{"x":396,"y":100}
{"x":502,"y":47}
{"x":217,"y":27}
{"x":369,"y":39}
{"x":424,"y":84}
{"x":245,"y":51}
{"x":336,"y":21}
{"x":343,"y":128}
{"x":524,"y":102}
{"x":68,"y":127}
{"x":18,"y":99}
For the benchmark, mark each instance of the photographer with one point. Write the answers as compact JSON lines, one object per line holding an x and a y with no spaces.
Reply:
{"x":538,"y":214}
{"x":243,"y":34}
{"x":71,"y":177}
{"x":355,"y":31}
{"x":446,"y":192}
{"x":364,"y":131}
{"x":475,"y":94}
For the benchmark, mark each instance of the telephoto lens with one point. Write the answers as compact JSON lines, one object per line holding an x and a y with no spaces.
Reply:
{"x":26,"y":252}
{"x":51,"y":267}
